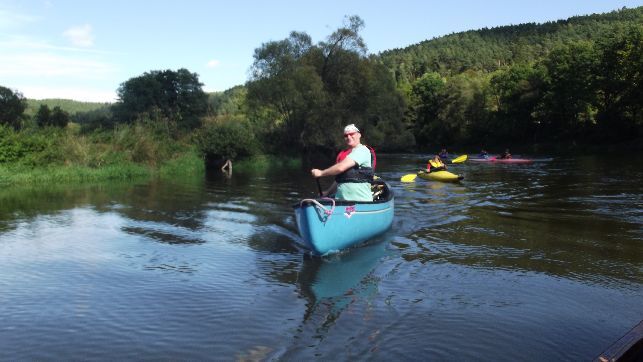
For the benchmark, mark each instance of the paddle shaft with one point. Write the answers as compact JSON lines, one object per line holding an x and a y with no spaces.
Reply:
{"x":319,"y":188}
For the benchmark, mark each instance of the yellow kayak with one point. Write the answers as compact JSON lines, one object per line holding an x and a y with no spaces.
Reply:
{"x":444,"y":176}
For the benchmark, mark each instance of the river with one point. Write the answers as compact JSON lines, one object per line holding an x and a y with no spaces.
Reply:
{"x":517,"y":262}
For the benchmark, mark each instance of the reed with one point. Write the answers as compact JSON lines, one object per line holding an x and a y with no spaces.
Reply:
{"x":189,"y":163}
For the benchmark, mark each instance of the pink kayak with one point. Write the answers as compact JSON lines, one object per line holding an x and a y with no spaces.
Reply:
{"x":502,"y":160}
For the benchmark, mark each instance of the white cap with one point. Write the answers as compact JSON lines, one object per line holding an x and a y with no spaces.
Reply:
{"x":350,"y":129}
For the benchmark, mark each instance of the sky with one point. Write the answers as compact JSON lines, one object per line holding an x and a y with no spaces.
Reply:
{"x":83,"y":50}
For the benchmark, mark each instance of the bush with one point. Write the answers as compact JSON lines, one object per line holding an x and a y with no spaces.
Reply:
{"x":30,"y":148}
{"x":12,"y":107}
{"x":227,"y":139}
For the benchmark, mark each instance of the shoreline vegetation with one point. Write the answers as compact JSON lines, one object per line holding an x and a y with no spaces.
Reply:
{"x":562,"y":87}
{"x":186,"y":165}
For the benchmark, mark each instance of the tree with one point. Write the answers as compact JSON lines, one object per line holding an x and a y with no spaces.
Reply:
{"x":12,"y":107}
{"x":171,"y":96}
{"x":303,"y":94}
{"x":620,"y":85}
{"x":43,"y":116}
{"x":56,"y":118}
{"x":225,"y":140}
{"x":229,"y":102}
{"x":284,"y":91}
{"x":426,"y":98}
{"x":570,"y":96}
{"x":516,"y":92}
{"x":59,"y":118}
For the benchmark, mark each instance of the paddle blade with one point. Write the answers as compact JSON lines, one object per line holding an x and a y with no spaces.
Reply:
{"x":409,"y":178}
{"x":459,"y":159}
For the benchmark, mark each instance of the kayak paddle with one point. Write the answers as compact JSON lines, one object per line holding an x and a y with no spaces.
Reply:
{"x":459,"y":159}
{"x":409,"y":178}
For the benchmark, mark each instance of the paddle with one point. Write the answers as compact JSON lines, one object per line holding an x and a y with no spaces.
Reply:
{"x":459,"y":159}
{"x":319,"y":188}
{"x":409,"y":178}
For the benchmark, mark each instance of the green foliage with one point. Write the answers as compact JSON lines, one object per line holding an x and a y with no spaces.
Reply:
{"x":620,"y":84}
{"x":491,"y":49}
{"x":229,"y":139}
{"x":70,"y":106}
{"x":268,"y":163}
{"x":229,"y":102}
{"x":427,"y":94}
{"x":139,"y":143}
{"x":43,"y":115}
{"x":303,"y":94}
{"x":59,"y":118}
{"x":169,"y":96}
{"x":570,"y":80}
{"x":188,"y":163}
{"x":95,"y":119}
{"x":55,"y":118}
{"x":570,"y":97}
{"x":29,"y":147}
{"x":27,"y":175}
{"x":12,"y":107}
{"x":515,"y":93}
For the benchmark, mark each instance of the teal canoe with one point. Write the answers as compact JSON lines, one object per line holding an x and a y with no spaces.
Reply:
{"x":327,"y":225}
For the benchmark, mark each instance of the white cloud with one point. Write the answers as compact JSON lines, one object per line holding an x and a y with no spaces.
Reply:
{"x":213,"y":63}
{"x":39,"y":64}
{"x":21,"y":42}
{"x":80,"y":35}
{"x":10,"y":19}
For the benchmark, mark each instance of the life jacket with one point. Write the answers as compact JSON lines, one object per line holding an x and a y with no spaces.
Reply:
{"x":356,"y":173}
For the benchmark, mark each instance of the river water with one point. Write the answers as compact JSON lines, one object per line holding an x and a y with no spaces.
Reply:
{"x":517,"y":262}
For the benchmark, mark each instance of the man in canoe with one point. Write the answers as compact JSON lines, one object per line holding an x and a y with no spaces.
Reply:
{"x":353,"y":169}
{"x":505,"y":155}
{"x":435,"y":164}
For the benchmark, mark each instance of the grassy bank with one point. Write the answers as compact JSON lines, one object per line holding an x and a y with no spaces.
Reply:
{"x":50,"y":155}
{"x":10,"y":175}
{"x":187,"y":164}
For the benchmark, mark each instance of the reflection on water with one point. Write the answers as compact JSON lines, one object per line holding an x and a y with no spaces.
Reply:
{"x":338,"y":275}
{"x":543,"y":258}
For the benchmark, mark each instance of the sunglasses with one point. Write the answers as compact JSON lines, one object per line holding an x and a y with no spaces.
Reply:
{"x":350,"y":134}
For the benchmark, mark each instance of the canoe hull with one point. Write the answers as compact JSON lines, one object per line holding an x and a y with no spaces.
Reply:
{"x":444,"y":176}
{"x":325,"y":228}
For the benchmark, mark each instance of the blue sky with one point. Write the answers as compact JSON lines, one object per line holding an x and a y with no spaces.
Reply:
{"x":84,"y":50}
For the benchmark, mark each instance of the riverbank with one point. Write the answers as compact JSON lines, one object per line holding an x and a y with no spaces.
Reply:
{"x":186,"y":164}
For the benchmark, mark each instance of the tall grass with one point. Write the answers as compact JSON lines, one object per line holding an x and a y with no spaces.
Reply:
{"x":142,"y":150}
{"x":20,"y":175}
{"x":189,"y":163}
{"x":35,"y":156}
